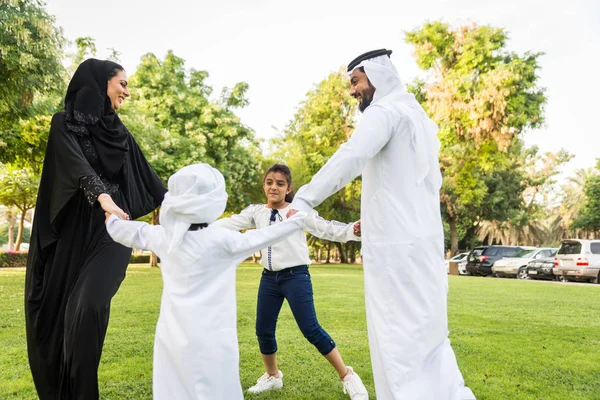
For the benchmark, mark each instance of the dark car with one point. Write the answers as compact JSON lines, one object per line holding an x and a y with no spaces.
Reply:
{"x":541,"y":269}
{"x":481,"y":259}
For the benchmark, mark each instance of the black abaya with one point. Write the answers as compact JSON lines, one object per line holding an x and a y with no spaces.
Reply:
{"x":74,"y":268}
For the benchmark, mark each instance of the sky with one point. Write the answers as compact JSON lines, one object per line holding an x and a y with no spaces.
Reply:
{"x":282,"y":49}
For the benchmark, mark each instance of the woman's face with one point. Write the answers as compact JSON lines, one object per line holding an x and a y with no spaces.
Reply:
{"x":117,"y":90}
{"x":276,"y":187}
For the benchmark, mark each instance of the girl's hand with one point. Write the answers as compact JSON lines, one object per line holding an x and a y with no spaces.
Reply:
{"x":109,"y":206}
{"x":357,"y":228}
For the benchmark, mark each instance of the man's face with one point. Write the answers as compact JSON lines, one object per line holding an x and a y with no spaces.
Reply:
{"x":361,"y":89}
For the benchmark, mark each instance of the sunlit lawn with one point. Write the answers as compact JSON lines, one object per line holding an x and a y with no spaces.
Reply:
{"x":513,"y":339}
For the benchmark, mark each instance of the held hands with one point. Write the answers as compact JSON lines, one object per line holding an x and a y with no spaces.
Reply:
{"x":357,"y":228}
{"x":109,"y":206}
{"x":298,"y":215}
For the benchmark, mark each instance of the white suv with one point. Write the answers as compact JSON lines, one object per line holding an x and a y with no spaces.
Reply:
{"x":578,"y":259}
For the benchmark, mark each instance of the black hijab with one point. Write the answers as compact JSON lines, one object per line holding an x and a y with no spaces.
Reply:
{"x":89,"y":112}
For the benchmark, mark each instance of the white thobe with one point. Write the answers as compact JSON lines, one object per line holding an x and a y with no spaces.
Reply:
{"x":403,"y":252}
{"x":293,"y":250}
{"x":196,"y":354}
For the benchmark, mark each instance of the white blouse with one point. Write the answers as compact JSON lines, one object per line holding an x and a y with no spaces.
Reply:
{"x":293,"y":250}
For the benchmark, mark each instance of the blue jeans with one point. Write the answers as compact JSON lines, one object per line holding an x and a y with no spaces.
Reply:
{"x":294,"y":285}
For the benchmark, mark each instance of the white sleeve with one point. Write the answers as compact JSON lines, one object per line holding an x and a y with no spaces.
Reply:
{"x":242,"y":245}
{"x":238,"y":222}
{"x":330,"y":230}
{"x":372,"y":133}
{"x":134,"y":233}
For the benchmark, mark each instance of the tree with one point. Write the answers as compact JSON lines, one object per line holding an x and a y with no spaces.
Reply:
{"x":176,"y":123}
{"x":18,"y":188}
{"x":572,"y":200}
{"x":324,"y":121}
{"x":4,"y":236}
{"x":30,"y":66}
{"x":589,"y":219}
{"x":528,"y":221}
{"x":482,"y":97}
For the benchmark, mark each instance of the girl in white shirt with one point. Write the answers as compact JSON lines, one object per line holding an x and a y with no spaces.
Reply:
{"x":286,"y":276}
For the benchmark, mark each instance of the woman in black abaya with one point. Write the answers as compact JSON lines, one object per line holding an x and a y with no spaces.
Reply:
{"x":74,"y":268}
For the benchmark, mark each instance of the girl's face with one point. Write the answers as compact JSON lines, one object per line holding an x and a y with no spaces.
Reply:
{"x":276,"y":187}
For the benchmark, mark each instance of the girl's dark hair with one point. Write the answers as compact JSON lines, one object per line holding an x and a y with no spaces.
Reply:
{"x":285,"y":170}
{"x":115,"y":71}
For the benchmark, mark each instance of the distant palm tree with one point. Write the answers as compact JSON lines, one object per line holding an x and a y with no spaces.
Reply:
{"x":529,"y":232}
{"x":573,"y":199}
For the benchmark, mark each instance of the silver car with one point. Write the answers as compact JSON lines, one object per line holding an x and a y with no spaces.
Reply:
{"x":516,"y":266}
{"x":578,"y":259}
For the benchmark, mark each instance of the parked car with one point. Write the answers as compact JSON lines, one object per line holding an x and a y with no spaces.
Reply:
{"x":516,"y":266}
{"x":481,"y":259}
{"x":541,"y":268}
{"x":461,"y":259}
{"x":578,"y":259}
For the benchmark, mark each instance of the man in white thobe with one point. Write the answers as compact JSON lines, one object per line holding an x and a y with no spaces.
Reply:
{"x":395,"y":148}
{"x":196,"y":349}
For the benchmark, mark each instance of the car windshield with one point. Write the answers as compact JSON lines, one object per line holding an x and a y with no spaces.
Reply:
{"x":524,"y":253}
{"x":491,"y":251}
{"x":570,"y":248}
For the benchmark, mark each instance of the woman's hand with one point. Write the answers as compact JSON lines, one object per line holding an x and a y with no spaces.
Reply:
{"x":357,"y":228}
{"x":109,"y":206}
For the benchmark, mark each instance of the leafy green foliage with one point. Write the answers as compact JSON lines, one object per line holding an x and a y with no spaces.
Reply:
{"x":589,"y":218}
{"x":324,"y":121}
{"x":30,"y":68}
{"x":482,"y":97}
{"x":176,"y":123}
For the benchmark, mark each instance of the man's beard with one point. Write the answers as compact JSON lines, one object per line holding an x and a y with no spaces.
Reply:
{"x":366,"y":98}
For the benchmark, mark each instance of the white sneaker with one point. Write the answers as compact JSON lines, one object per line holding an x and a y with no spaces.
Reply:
{"x":354,"y":387}
{"x":267,"y":382}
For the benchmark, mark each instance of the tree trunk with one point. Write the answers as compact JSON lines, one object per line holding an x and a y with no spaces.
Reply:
{"x":153,"y":257}
{"x":11,"y":229}
{"x":453,"y":235}
{"x":352,"y":253}
{"x":20,"y":231}
{"x":340,"y":248}
{"x":328,"y":253}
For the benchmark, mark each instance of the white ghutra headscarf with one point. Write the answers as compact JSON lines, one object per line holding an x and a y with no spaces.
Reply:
{"x":389,"y":92}
{"x":196,"y":195}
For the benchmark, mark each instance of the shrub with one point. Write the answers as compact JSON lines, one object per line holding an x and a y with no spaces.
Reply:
{"x":139,"y":259}
{"x":13,"y":259}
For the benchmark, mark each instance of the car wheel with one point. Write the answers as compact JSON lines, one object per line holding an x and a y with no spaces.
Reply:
{"x":596,"y":279}
{"x":522,"y":274}
{"x":561,"y":278}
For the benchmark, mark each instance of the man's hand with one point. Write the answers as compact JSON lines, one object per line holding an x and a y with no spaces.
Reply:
{"x":290,"y":213}
{"x":109,"y":206}
{"x":357,"y":228}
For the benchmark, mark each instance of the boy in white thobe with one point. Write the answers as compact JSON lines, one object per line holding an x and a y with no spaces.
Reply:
{"x":196,"y":349}
{"x":395,"y":148}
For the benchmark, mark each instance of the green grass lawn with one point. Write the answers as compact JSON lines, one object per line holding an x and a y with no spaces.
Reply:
{"x":513,"y":339}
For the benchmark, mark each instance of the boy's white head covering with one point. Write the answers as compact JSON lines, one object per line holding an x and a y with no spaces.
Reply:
{"x":385,"y":79}
{"x":196,"y":195}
